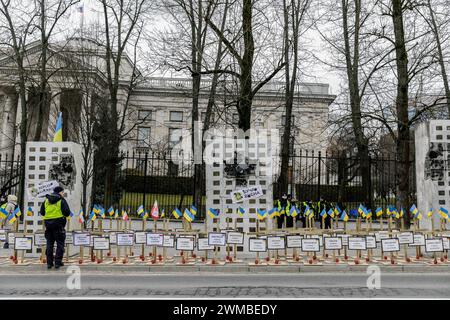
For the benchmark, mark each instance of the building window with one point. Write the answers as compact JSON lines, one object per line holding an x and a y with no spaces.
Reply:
{"x":145,"y":115}
{"x":143,"y":138}
{"x":174,"y":137}
{"x":176,"y":116}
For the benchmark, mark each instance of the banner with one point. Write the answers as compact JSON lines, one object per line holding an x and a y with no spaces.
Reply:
{"x":247,"y":193}
{"x":41,"y":189}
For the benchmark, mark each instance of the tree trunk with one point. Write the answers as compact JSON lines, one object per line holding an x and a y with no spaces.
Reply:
{"x":440,"y":57}
{"x":244,"y":105}
{"x":401,"y":104}
{"x":355,"y":99}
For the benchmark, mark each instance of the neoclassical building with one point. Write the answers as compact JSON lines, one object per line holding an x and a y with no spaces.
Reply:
{"x":157,"y":106}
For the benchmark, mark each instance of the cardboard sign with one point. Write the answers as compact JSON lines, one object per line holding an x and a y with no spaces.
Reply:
{"x":405,"y":237}
{"x":81,"y":239}
{"x":185,"y":243}
{"x":217,"y":238}
{"x":446,"y":243}
{"x":42,"y":189}
{"x":246,"y":194}
{"x":203,"y":244}
{"x":140,"y":237}
{"x":11,"y":237}
{"x":155,"y":239}
{"x":434,"y":245}
{"x":294,"y":241}
{"x":275,"y":243}
{"x":39,"y":239}
{"x":101,"y":243}
{"x":69,"y":238}
{"x":419,"y":240}
{"x":3,"y":236}
{"x":168,"y":241}
{"x":257,"y":245}
{"x":371,"y":242}
{"x":112,"y":237}
{"x":357,"y":243}
{"x":310,"y":245}
{"x":235,"y":237}
{"x":380,"y":235}
{"x":125,"y":239}
{"x":332,"y":243}
{"x":23,"y":243}
{"x":390,"y":245}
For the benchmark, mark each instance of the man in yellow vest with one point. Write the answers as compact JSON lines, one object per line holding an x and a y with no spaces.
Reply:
{"x":55,"y":210}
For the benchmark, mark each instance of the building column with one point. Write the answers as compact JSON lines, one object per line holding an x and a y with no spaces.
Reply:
{"x":9,"y":133}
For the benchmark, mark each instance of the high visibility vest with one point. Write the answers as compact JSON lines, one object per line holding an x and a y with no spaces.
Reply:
{"x":52,"y":211}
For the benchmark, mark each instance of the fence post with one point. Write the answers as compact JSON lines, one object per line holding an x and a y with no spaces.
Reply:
{"x":318,"y":182}
{"x":145,"y":178}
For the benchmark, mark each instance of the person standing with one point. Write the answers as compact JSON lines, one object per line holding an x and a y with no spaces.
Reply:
{"x":54,"y":211}
{"x":9,"y":206}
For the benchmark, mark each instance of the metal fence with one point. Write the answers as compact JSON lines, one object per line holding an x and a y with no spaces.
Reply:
{"x":145,"y":177}
{"x":9,"y":175}
{"x":337,"y":178}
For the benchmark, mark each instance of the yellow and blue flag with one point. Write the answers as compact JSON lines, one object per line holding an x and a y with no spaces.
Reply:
{"x":293,"y":212}
{"x":379,"y":212}
{"x":241,"y":211}
{"x":323,"y":214}
{"x":163,"y":213}
{"x":3,"y":213}
{"x":273,"y":213}
{"x":176,"y":213}
{"x":443,"y":212}
{"x":344,"y":216}
{"x":17,"y":212}
{"x":331,"y":213}
{"x":140,"y":210}
{"x":430,"y":213}
{"x":213,"y":213}
{"x":92,"y":216}
{"x":30,"y":212}
{"x":11,"y":218}
{"x":261,"y":214}
{"x":58,"y":130}
{"x":111,"y":211}
{"x":193,"y":210}
{"x":188,"y":215}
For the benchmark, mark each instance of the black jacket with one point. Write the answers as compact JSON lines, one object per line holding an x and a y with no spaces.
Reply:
{"x":54,"y":198}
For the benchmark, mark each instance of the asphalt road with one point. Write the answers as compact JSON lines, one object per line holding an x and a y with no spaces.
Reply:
{"x":311,"y":285}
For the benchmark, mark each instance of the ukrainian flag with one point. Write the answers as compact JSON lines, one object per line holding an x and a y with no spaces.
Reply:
{"x":144,"y":215}
{"x":430,"y":213}
{"x":293,"y":212}
{"x":96,"y":209}
{"x":29,"y":212}
{"x":443,"y":212}
{"x":413,"y":209}
{"x":116,"y":214}
{"x":379,"y":212}
{"x":241,"y":211}
{"x":331,"y":213}
{"x":92,"y":216}
{"x":323,"y":214}
{"x":337,"y":211}
{"x":3,"y":213}
{"x":282,"y":211}
{"x":418,"y":215}
{"x":58,"y":131}
{"x":274,"y":212}
{"x":102,"y":213}
{"x":17,"y":212}
{"x":11,"y":218}
{"x":188,"y":215}
{"x":111,"y":211}
{"x":344,"y":216}
{"x":369,"y":214}
{"x":140,"y":210}
{"x":213,"y":213}
{"x":163,"y":214}
{"x":176,"y":213}
{"x":261,"y":214}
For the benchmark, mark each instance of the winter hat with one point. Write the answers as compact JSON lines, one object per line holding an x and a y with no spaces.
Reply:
{"x":58,"y":189}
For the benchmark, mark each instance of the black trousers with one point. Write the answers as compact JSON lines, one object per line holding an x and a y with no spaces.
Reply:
{"x":55,"y":232}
